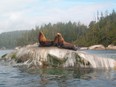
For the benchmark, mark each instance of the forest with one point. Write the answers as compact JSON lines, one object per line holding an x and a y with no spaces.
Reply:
{"x":9,"y":39}
{"x":102,"y":31}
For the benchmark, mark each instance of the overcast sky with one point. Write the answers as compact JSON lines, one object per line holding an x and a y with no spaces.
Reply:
{"x":26,"y":14}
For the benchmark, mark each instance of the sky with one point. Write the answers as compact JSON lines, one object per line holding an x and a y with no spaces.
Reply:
{"x":26,"y":14}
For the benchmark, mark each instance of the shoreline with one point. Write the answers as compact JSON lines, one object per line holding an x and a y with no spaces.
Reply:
{"x":98,"y":47}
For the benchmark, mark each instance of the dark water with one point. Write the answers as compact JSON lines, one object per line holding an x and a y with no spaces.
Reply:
{"x":15,"y":77}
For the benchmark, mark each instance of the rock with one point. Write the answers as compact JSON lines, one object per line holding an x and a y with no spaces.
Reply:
{"x":83,"y":48}
{"x":17,"y":48}
{"x":9,"y":58}
{"x":33,"y":45}
{"x":111,"y":47}
{"x":57,"y":57}
{"x":97,"y":47}
{"x":52,"y":56}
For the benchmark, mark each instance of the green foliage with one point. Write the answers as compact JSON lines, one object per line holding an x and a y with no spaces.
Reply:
{"x":114,"y":42}
{"x":13,"y":56}
{"x":101,"y":32}
{"x":9,"y":39}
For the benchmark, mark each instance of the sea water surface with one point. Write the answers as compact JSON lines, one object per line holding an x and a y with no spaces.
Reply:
{"x":14,"y":77}
{"x":103,"y":53}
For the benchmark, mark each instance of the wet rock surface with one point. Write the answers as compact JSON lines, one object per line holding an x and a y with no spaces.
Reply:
{"x":44,"y":57}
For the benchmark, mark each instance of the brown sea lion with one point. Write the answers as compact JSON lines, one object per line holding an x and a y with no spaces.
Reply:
{"x":57,"y":40}
{"x":60,"y":42}
{"x":43,"y":41}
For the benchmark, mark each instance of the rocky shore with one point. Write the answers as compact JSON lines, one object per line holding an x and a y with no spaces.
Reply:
{"x":99,"y":47}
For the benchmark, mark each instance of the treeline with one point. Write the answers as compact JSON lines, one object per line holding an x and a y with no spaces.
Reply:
{"x":101,"y":32}
{"x":9,"y":39}
{"x":70,"y":31}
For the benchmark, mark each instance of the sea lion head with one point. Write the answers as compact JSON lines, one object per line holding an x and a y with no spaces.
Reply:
{"x":60,"y":38}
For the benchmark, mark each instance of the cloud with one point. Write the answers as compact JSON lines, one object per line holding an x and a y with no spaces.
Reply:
{"x":84,"y":13}
{"x":26,"y":14}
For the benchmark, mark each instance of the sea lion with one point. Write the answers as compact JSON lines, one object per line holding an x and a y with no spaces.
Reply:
{"x":60,"y":42}
{"x":57,"y":40}
{"x":43,"y":41}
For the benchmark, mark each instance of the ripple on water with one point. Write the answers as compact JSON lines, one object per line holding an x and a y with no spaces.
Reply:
{"x":13,"y":77}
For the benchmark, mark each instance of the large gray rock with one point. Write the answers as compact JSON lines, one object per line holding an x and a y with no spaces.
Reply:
{"x":97,"y":47}
{"x":111,"y":47}
{"x":58,"y":57}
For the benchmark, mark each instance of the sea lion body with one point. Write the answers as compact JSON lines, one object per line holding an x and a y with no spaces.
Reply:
{"x":60,"y":42}
{"x":43,"y":41}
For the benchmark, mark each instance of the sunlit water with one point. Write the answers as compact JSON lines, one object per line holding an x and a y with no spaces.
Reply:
{"x":16,"y":77}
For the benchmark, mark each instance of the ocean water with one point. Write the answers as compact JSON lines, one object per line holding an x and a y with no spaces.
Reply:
{"x":2,"y":52}
{"x":103,"y":53}
{"x":15,"y":77}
